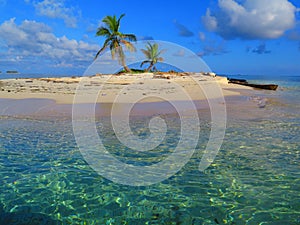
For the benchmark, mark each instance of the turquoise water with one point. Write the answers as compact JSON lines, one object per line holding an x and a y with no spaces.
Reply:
{"x":255,"y":178}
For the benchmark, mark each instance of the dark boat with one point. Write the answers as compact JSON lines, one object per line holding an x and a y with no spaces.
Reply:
{"x":272,"y":87}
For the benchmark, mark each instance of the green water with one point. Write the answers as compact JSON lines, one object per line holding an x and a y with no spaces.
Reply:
{"x":255,"y":178}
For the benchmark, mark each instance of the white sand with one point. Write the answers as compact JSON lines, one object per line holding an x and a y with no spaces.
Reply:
{"x":122,"y":88}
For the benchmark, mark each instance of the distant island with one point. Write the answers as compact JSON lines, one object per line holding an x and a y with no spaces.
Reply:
{"x":12,"y":72}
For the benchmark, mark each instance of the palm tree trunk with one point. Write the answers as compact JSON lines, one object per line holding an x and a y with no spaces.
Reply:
{"x":126,"y":68}
{"x":122,"y":56}
{"x":149,"y":68}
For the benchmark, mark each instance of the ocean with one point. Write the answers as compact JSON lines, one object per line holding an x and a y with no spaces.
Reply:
{"x":254,"y":178}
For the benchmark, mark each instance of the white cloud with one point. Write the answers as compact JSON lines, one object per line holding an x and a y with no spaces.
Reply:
{"x":56,"y":9}
{"x":33,"y":40}
{"x":251,"y":19}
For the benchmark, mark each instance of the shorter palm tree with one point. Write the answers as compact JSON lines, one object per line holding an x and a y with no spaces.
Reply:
{"x":152,"y":54}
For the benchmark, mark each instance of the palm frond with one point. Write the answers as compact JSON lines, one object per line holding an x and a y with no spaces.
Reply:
{"x":146,"y":61}
{"x":129,"y":37}
{"x":155,"y":47}
{"x":114,"y":46}
{"x":103,"y":31}
{"x":103,"y":48}
{"x":111,"y":23}
{"x":128,"y":45}
{"x":146,"y":53}
{"x":160,"y":59}
{"x":119,"y":20}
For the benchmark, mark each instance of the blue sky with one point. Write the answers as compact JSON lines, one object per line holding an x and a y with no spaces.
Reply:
{"x":232,"y":36}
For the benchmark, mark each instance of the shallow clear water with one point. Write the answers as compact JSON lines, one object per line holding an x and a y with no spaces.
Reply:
{"x":255,"y":178}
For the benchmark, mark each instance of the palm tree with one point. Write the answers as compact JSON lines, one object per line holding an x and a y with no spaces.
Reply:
{"x":115,"y":39}
{"x":152,"y":54}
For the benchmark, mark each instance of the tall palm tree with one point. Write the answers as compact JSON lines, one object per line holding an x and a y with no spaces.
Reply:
{"x":152,"y":54}
{"x":115,"y":39}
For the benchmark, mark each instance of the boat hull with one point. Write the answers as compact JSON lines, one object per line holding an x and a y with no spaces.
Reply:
{"x":272,"y":87}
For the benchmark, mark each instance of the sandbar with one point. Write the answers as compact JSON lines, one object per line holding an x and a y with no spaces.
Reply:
{"x":151,"y":94}
{"x":149,"y":87}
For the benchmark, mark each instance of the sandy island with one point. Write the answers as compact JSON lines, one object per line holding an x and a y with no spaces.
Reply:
{"x":55,"y":96}
{"x":150,"y":87}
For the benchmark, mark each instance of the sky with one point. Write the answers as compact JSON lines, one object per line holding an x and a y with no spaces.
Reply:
{"x":259,"y":37}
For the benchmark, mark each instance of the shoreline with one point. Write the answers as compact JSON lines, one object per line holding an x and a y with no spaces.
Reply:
{"x":237,"y":107}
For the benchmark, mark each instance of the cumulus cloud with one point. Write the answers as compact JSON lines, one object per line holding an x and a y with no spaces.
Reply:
{"x":251,"y":19}
{"x":56,"y":9}
{"x":183,"y":30}
{"x":32,"y":40}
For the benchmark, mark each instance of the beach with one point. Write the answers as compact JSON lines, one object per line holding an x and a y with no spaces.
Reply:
{"x":149,"y":93}
{"x":147,"y":85}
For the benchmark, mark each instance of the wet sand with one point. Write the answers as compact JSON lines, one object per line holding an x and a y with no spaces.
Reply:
{"x":237,"y":107}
